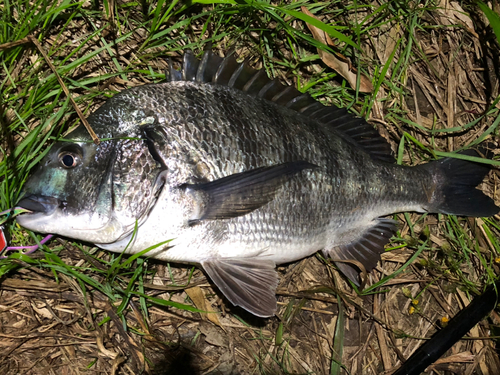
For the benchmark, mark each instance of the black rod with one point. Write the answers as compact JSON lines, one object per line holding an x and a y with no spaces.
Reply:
{"x":457,"y":327}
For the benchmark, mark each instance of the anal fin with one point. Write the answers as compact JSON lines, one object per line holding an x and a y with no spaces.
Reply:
{"x":248,"y":283}
{"x":365,"y":249}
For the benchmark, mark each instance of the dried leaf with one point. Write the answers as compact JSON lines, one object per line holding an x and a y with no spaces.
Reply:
{"x":102,"y":349}
{"x":386,"y":41}
{"x":338,"y":63}
{"x":43,"y":311}
{"x":198,"y":298}
{"x":212,"y":335}
{"x":452,"y":14}
{"x":456,"y":358}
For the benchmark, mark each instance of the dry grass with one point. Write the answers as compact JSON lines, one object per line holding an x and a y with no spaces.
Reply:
{"x":443,"y":75}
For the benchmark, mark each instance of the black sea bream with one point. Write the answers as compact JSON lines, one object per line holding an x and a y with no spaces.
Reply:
{"x":243,"y":174}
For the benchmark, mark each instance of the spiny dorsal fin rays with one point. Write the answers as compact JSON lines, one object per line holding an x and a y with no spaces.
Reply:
{"x":172,"y":74}
{"x":301,"y":102}
{"x":227,"y":68}
{"x":236,"y":75}
{"x":255,"y":84}
{"x":228,"y":72}
{"x":190,"y":66}
{"x":208,"y":67}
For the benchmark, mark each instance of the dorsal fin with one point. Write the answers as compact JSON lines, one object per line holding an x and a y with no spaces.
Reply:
{"x":228,"y":72}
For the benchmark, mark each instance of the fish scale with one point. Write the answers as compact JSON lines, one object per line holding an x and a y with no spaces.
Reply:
{"x":261,"y":151}
{"x":241,"y":173}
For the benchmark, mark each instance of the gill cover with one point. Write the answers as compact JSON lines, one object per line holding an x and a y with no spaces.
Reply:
{"x":91,"y":192}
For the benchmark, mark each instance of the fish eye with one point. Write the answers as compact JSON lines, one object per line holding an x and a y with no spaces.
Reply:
{"x":68,"y":159}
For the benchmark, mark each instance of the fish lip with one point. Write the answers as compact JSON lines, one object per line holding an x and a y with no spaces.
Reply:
{"x":39,"y":204}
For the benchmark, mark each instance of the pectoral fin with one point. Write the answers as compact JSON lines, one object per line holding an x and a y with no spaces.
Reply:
{"x":366,"y":248}
{"x":248,"y":283}
{"x":240,"y":193}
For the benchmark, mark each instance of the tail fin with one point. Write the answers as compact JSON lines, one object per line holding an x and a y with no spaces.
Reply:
{"x":456,"y":192}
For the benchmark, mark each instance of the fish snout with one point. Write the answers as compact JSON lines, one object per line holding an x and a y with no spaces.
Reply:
{"x":40,"y":203}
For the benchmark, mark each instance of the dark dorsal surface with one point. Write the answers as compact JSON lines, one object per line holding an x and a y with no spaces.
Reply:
{"x":228,"y":72}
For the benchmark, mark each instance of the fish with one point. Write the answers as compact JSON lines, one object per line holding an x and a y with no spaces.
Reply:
{"x":222,"y":167}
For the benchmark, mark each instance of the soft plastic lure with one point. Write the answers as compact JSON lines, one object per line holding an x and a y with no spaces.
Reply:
{"x":4,"y":216}
{"x":11,"y":212}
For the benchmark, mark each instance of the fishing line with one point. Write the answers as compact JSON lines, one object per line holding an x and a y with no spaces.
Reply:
{"x":10,"y":213}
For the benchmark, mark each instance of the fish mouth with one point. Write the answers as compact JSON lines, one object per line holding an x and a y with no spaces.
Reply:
{"x":39,"y":204}
{"x":49,"y":215}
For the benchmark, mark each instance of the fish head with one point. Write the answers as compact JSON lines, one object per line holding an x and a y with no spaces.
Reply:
{"x":94,"y":193}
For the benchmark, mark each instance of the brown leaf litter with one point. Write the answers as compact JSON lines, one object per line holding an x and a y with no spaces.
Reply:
{"x":58,"y":326}
{"x":338,"y":62}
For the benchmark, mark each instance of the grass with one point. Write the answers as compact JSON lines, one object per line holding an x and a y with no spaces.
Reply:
{"x":100,"y":49}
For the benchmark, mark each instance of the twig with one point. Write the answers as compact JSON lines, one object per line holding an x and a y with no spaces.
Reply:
{"x":66,"y":91}
{"x":386,"y":359}
{"x":14,"y":44}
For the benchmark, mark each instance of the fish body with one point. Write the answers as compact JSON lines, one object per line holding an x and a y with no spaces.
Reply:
{"x":310,"y":210}
{"x":241,"y":174}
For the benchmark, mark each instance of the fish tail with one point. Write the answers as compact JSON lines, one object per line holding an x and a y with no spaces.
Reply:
{"x":456,"y":180}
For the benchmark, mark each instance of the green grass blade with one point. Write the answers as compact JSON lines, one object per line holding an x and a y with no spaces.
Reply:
{"x":493,"y":17}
